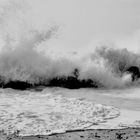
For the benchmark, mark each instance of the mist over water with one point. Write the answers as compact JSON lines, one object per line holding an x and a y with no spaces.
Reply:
{"x":22,"y":59}
{"x":33,"y":62}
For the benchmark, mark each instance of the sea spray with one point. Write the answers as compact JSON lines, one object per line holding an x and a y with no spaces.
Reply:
{"x":20,"y":60}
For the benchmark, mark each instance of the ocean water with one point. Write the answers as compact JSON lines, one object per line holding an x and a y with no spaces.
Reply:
{"x":25,"y":56}
{"x":24,"y":60}
{"x":55,"y":110}
{"x":46,"y":112}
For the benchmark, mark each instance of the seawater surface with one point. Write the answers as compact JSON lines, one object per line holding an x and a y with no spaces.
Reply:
{"x":26,"y":58}
{"x":46,"y":112}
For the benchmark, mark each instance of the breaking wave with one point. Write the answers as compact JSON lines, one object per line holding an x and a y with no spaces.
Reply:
{"x":23,"y":64}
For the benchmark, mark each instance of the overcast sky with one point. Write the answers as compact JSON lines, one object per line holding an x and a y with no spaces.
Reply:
{"x":84,"y":22}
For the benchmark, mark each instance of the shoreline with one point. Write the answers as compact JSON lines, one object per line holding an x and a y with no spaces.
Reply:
{"x":91,"y":134}
{"x":124,"y":127}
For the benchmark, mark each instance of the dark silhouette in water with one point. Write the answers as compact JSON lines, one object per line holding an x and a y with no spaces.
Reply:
{"x":71,"y":82}
{"x":17,"y":85}
{"x":134,"y":70}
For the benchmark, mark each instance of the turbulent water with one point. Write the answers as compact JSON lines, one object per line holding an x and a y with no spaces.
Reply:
{"x":23,"y":64}
{"x":22,"y":59}
{"x":44,"y":113}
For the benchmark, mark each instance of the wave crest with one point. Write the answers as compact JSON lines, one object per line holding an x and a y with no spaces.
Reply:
{"x":22,"y":63}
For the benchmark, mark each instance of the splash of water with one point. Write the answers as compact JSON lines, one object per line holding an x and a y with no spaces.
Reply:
{"x":21,"y":61}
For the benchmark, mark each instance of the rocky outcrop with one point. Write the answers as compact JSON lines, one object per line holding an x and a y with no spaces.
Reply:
{"x":134,"y":71}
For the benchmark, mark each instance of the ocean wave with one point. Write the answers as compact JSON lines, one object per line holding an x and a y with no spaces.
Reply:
{"x":24,"y":65}
{"x":107,"y":68}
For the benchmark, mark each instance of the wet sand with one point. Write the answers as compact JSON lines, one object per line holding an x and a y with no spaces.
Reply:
{"x":99,"y":134}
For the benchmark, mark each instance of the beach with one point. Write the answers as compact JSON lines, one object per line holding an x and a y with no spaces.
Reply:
{"x":124,"y":127}
{"x":100,"y":134}
{"x":69,"y":70}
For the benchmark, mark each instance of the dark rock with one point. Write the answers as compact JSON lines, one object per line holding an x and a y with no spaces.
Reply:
{"x":71,"y":82}
{"x":17,"y":85}
{"x":134,"y":70}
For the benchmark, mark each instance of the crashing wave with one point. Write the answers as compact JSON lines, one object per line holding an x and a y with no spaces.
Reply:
{"x":24,"y":65}
{"x":21,"y":70}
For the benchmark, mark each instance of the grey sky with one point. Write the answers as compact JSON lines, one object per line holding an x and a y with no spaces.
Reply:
{"x":86,"y":21}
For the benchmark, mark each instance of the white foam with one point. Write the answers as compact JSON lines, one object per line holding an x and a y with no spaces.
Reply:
{"x":44,"y":113}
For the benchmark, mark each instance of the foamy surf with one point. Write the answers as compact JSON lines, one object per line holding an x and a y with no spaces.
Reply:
{"x":26,"y":65}
{"x":27,"y":62}
{"x":31,"y":113}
